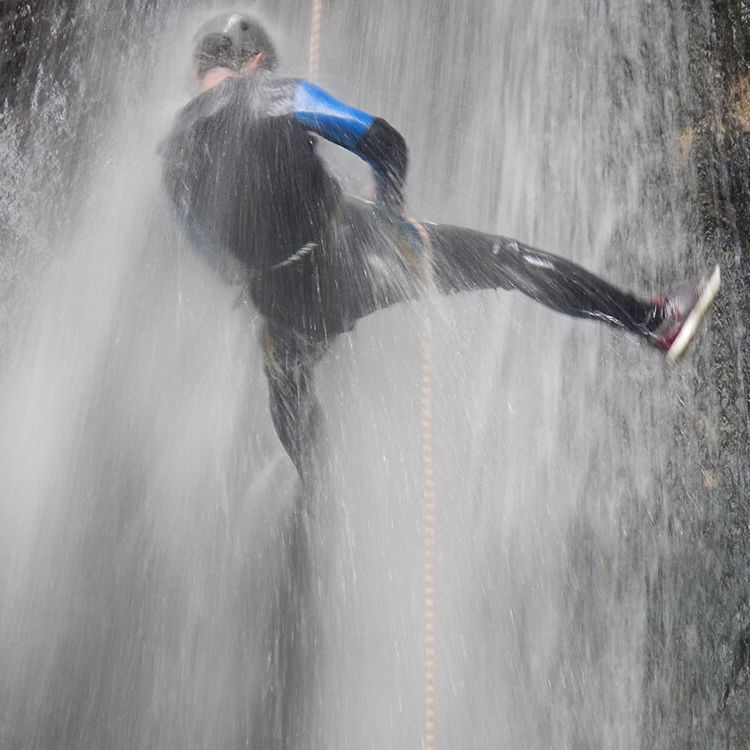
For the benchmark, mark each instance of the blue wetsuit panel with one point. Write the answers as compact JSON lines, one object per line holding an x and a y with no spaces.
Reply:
{"x":323,"y":114}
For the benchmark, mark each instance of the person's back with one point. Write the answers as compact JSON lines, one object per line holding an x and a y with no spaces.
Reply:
{"x":239,"y":166}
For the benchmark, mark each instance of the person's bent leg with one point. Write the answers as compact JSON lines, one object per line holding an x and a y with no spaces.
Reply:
{"x":371,"y":260}
{"x":465,"y":259}
{"x":294,"y":408}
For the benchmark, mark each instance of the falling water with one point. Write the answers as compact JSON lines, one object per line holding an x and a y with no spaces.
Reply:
{"x":160,"y":587}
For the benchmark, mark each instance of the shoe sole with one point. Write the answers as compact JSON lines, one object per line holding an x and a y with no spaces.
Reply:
{"x":690,"y":326}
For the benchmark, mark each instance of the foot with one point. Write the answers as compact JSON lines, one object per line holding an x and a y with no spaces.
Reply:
{"x":682,"y":312}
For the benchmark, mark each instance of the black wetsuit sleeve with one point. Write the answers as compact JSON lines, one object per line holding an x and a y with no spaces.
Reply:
{"x":371,"y":138}
{"x":384,"y":146}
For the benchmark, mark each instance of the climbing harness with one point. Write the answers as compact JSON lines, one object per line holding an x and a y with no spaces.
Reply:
{"x":428,"y":471}
{"x":296,"y":256}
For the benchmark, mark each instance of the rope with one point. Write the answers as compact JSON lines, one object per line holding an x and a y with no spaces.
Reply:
{"x":314,"y":49}
{"x":425,"y":400}
{"x":428,"y":470}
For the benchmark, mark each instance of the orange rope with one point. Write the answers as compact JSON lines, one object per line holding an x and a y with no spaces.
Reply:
{"x":428,"y":464}
{"x":428,"y":469}
{"x":314,"y":49}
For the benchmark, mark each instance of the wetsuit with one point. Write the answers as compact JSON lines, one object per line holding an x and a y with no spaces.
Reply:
{"x":241,"y":168}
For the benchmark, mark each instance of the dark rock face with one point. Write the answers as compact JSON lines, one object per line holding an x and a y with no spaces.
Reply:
{"x":33,"y":33}
{"x":36,"y":85}
{"x":708,"y":701}
{"x":18,"y":27}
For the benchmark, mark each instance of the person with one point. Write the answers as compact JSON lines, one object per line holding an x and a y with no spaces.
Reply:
{"x":241,"y":169}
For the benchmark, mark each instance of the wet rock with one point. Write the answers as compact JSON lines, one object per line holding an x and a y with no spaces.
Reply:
{"x":34,"y":32}
{"x":739,"y":672}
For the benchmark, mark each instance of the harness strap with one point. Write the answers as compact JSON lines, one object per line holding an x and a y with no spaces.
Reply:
{"x":296,"y":256}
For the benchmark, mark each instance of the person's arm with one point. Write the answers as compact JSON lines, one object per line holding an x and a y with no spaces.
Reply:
{"x":371,"y":138}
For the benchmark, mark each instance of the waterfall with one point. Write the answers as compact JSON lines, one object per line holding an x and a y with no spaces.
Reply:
{"x":161,"y":582}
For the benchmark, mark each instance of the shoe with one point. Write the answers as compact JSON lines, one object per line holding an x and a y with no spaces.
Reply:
{"x":682,"y":312}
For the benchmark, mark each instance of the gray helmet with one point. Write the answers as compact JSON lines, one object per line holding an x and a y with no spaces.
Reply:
{"x":229,"y":40}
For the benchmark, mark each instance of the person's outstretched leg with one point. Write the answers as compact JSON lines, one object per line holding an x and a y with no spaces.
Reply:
{"x":373,"y":259}
{"x":373,"y":252}
{"x":465,"y":259}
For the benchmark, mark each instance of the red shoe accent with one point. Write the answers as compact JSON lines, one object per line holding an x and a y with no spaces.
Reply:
{"x":683,"y":311}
